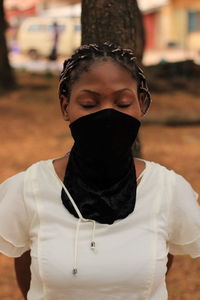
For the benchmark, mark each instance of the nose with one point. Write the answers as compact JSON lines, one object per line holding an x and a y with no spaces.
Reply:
{"x":107,"y":107}
{"x":107,"y":104}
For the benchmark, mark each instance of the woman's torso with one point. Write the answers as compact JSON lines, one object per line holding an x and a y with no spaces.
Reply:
{"x":130,"y":257}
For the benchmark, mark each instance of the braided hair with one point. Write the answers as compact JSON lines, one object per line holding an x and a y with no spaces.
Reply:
{"x":86,"y":55}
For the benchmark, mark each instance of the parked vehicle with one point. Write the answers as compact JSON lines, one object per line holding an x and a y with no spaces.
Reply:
{"x":35,"y":35}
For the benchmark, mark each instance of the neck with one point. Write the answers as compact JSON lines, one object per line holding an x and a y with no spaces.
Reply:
{"x":100,"y":170}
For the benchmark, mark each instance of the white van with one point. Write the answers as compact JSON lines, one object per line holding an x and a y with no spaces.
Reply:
{"x":35,"y":35}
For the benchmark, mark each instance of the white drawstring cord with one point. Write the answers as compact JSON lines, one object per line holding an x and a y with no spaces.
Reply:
{"x":74,"y":271}
{"x":81,"y":219}
{"x":92,"y":244}
{"x":72,"y":201}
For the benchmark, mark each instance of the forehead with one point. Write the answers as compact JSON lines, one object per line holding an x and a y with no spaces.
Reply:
{"x":105,"y":73}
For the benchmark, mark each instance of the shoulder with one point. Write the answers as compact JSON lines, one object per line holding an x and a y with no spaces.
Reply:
{"x":17,"y":180}
{"x":176,"y":180}
{"x":155,"y":170}
{"x":174,"y":186}
{"x":14,"y":182}
{"x":18,"y":193}
{"x":164,"y":179}
{"x":149,"y":169}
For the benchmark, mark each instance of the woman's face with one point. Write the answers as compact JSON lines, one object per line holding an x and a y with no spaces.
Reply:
{"x":105,"y":85}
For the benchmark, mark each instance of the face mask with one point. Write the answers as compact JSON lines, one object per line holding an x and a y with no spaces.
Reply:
{"x":100,"y":174}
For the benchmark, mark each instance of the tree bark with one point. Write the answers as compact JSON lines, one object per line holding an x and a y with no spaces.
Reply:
{"x":117,"y":21}
{"x":7,"y":80}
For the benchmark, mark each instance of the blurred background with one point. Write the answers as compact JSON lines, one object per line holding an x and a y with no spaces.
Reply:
{"x":172,"y":29}
{"x":40,"y":34}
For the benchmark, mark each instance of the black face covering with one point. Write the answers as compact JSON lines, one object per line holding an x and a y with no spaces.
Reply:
{"x":100,"y":174}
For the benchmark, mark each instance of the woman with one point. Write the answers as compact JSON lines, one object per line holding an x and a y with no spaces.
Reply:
{"x":99,"y":222}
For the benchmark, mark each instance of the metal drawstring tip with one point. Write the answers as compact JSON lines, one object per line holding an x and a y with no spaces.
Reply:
{"x":92,"y":245}
{"x":74,"y":271}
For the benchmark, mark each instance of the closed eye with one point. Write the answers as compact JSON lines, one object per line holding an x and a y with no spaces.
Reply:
{"x":89,"y":105}
{"x":124,"y":105}
{"x":125,"y":99}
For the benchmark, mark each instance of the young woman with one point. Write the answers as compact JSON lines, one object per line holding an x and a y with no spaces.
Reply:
{"x":98,"y":222}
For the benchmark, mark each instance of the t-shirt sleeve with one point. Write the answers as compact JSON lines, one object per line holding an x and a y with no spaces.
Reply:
{"x":184,"y":220}
{"x":14,"y":222}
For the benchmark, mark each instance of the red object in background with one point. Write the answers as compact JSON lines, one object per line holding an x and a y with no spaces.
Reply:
{"x":31,"y":11}
{"x":149,"y":25}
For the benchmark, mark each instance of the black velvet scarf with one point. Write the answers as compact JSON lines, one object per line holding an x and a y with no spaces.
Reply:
{"x":100,"y":174}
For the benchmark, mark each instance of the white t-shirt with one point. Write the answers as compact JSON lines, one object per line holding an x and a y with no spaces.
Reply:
{"x":131,"y":254}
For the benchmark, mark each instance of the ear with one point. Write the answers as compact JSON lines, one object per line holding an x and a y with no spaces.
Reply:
{"x":64,"y":103}
{"x":144,"y":101}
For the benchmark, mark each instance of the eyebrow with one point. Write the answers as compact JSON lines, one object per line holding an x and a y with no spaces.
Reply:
{"x":91,"y":92}
{"x":116,"y":92}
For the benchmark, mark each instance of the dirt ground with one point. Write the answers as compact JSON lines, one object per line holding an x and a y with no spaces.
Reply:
{"x":32,"y":129}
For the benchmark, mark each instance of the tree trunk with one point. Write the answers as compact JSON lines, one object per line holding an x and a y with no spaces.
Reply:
{"x":140,"y":33}
{"x":117,"y":21}
{"x":7,"y":80}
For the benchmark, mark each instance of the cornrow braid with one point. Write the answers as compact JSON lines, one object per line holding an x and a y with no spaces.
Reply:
{"x":86,"y":55}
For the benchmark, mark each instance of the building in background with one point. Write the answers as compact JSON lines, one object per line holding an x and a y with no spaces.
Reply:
{"x":151,"y":10}
{"x":183,"y":17}
{"x":17,"y":10}
{"x":170,"y":25}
